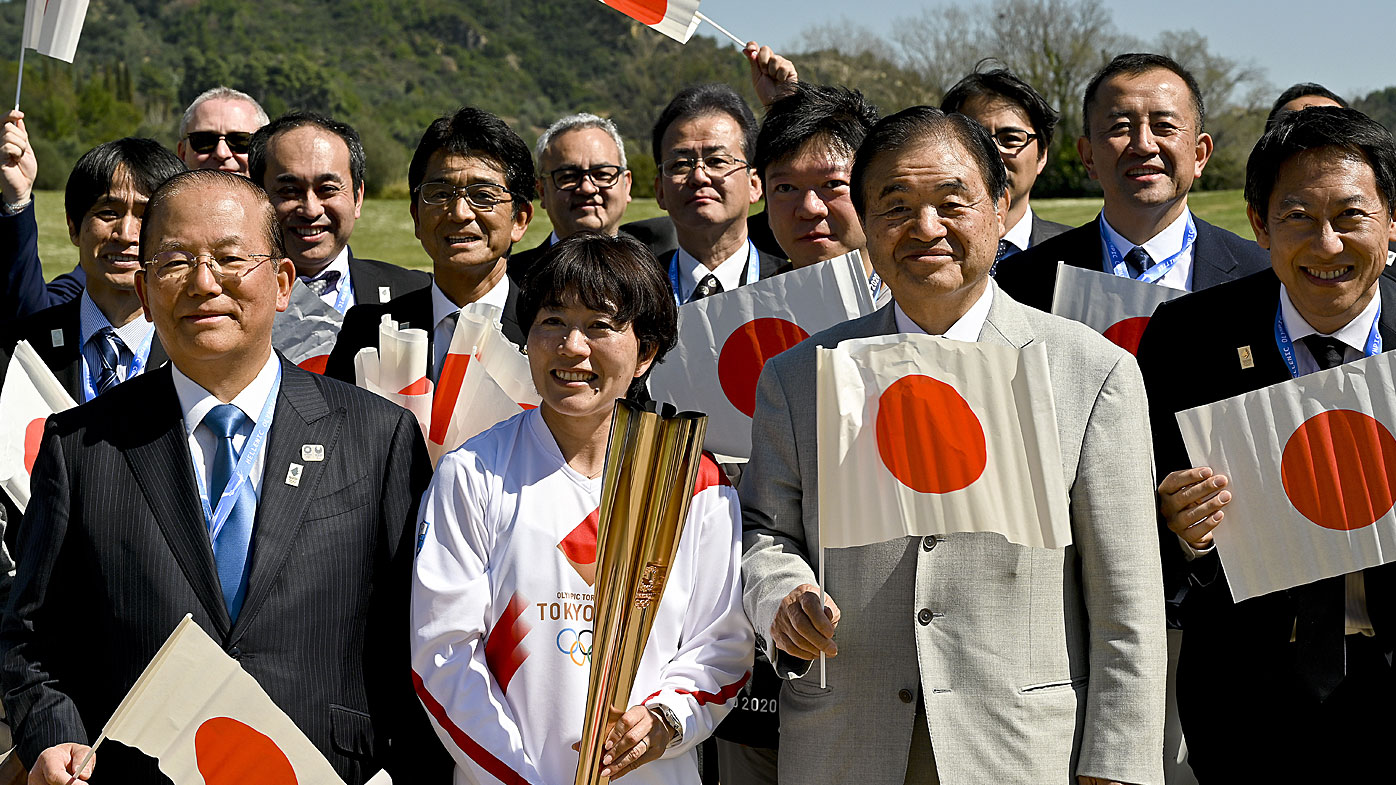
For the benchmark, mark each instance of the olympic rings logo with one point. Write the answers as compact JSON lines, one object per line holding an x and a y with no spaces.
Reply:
{"x":576,"y":644}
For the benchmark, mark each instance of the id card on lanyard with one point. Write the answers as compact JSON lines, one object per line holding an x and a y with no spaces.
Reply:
{"x":750,"y":274}
{"x":1153,"y":274}
{"x":215,"y":517}
{"x":341,"y":300}
{"x":1286,"y":346}
{"x":139,"y":358}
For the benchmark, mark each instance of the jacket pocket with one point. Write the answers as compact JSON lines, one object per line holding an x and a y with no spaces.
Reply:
{"x":351,"y":732}
{"x":1061,"y":684}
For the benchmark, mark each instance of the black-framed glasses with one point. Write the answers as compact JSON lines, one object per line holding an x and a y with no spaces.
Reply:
{"x":717,"y":166}
{"x":1012,"y":139}
{"x":480,"y":196}
{"x":228,"y":268}
{"x":569,"y":178}
{"x":205,"y":142}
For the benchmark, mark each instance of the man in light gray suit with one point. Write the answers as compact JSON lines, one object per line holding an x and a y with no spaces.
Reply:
{"x":961,"y":658}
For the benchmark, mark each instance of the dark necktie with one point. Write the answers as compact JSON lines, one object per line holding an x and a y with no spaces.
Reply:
{"x":230,"y":550}
{"x":1320,"y":630}
{"x":109,"y":347}
{"x":707,"y":287}
{"x":1137,"y":261}
{"x":327,"y":281}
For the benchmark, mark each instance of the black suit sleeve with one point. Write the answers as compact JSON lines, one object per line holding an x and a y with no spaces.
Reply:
{"x":357,"y":331}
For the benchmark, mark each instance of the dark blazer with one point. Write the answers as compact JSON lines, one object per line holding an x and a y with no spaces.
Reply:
{"x":360,"y":328}
{"x":770,"y":265}
{"x":65,"y":360}
{"x":22,"y":288}
{"x":1044,"y":230}
{"x":1030,"y":277}
{"x":520,"y":262}
{"x":656,"y":233}
{"x":371,"y":278}
{"x":115,"y":542}
{"x":1235,"y":656}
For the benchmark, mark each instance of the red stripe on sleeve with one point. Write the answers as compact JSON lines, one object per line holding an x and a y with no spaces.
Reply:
{"x":480,"y":755}
{"x":721,"y":696}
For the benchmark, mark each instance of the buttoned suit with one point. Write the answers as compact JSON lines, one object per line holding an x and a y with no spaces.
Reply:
{"x":1041,"y":665}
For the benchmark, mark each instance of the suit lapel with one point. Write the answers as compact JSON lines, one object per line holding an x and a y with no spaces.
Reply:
{"x":509,"y":320}
{"x":1006,"y":323}
{"x":1087,"y":254}
{"x":1212,"y":261}
{"x":159,"y":458}
{"x":1386,"y":325}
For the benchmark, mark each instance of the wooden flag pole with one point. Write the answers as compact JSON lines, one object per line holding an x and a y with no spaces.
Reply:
{"x":19,"y":82}
{"x":699,"y":16}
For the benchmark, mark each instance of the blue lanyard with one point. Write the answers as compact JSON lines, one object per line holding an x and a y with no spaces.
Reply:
{"x":341,"y":301}
{"x":751,"y":274}
{"x":1153,"y":274}
{"x":250,"y":449}
{"x":139,"y":358}
{"x":1286,"y":346}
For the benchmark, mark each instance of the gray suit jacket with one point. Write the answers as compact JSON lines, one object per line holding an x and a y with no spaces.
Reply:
{"x":1042,"y":664}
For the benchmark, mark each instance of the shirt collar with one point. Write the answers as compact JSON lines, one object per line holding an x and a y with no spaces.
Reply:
{"x":967,"y":328}
{"x":91,"y":319}
{"x":1161,"y":246}
{"x":441,"y":305}
{"x":195,"y":401}
{"x":729,"y":272}
{"x":1355,"y":333}
{"x":1021,"y":233}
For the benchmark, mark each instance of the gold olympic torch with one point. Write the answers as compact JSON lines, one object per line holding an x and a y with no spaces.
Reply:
{"x":651,"y":466}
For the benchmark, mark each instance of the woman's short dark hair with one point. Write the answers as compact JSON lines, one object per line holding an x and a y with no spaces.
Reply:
{"x":147,"y":162}
{"x":617,"y":275}
{"x":1347,"y":131}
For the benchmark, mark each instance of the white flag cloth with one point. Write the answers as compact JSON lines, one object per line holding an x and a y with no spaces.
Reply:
{"x":484,"y":380}
{"x":397,"y":369}
{"x":208,"y":721}
{"x":33,"y":23}
{"x":1312,"y":470}
{"x":306,"y":331}
{"x":674,"y":18}
{"x":62,"y":26}
{"x":30,"y":395}
{"x":1114,"y":306}
{"x":726,"y":339}
{"x":479,"y":404}
{"x":922,"y":435}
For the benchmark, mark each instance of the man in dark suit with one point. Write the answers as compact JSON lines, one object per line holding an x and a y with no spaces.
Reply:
{"x":1021,"y":122}
{"x":1144,"y":143}
{"x":703,"y":143}
{"x":300,"y":571}
{"x":1314,"y":662}
{"x":472,"y":190}
{"x":313,"y":168}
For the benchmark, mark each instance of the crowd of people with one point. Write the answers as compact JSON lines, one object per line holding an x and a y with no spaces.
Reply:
{"x":436,"y":622}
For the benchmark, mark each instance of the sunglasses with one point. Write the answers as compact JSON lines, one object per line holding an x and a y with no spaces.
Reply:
{"x":204,"y":142}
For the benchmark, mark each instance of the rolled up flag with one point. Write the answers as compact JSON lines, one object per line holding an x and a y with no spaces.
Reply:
{"x":674,"y":18}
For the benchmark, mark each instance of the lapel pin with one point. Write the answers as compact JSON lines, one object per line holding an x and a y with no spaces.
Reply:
{"x":56,"y":338}
{"x":293,"y":475}
{"x":385,"y":293}
{"x":1247,"y":358}
{"x":312,"y":452}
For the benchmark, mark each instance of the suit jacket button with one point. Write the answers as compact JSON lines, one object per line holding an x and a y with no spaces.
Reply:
{"x":906,"y":696}
{"x":928,"y":543}
{"x":924,"y":616}
{"x":235,"y":652}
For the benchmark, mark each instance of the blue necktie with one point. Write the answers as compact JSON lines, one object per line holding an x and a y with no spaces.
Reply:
{"x":327,"y":281}
{"x":234,"y":540}
{"x":1138,"y":261}
{"x":109,"y":347}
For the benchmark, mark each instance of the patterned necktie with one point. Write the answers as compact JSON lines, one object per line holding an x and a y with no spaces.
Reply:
{"x":1006,"y":249}
{"x":230,"y":550}
{"x":1320,"y":630}
{"x":1137,"y":261}
{"x":327,"y":281}
{"x":707,"y":287}
{"x":109,"y":348}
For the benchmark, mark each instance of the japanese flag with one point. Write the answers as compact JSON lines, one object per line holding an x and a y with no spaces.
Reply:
{"x":397,"y":369}
{"x":30,"y":395}
{"x":1312,"y":465}
{"x":484,"y":380}
{"x":674,"y":18}
{"x":726,"y":339}
{"x":305,"y":332}
{"x":33,"y":23}
{"x":208,"y":721}
{"x":479,"y":405}
{"x":52,"y":27}
{"x":922,"y":435}
{"x":1114,"y":306}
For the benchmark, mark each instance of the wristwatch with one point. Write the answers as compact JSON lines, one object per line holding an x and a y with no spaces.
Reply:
{"x":666,"y":715}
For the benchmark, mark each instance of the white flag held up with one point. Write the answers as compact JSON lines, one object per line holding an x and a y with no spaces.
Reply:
{"x":922,"y":435}
{"x":30,"y":395}
{"x":1114,"y":306}
{"x":208,"y":721}
{"x":397,"y":369}
{"x":306,"y":331}
{"x":484,"y":380}
{"x":674,"y":18}
{"x":1312,"y":470}
{"x":726,"y":339}
{"x":59,"y":28}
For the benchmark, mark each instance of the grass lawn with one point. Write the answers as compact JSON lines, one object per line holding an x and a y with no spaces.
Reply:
{"x":384,"y":231}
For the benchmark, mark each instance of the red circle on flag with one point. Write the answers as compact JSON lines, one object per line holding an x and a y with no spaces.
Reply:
{"x":745,"y":353}
{"x":651,"y":12}
{"x":1127,"y":332}
{"x":33,"y":437}
{"x":229,"y":752}
{"x":928,"y":437}
{"x":1339,"y":469}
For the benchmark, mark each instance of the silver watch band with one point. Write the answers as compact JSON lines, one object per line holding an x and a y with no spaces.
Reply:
{"x":666,"y":715}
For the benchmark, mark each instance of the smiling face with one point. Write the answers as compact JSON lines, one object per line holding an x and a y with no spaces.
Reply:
{"x":582,"y":360}
{"x":308,"y":178}
{"x":220,"y":116}
{"x":1327,"y":230}
{"x":701,"y":199}
{"x":108,"y":237}
{"x":586,"y":206}
{"x":464,"y":241}
{"x":1145,"y":149}
{"x":809,"y":206}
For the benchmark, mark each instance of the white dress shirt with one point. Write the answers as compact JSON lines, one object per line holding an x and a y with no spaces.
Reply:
{"x":442,"y":307}
{"x":195,"y":402}
{"x":729,"y":272}
{"x":1160,"y":247}
{"x":346,"y":283}
{"x":1021,"y":233}
{"x":967,"y":328}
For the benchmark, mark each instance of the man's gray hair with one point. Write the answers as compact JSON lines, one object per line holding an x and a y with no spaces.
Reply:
{"x":226,"y":93}
{"x":573,"y":122}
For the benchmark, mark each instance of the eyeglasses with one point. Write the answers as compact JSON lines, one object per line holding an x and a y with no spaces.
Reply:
{"x":228,"y":268}
{"x":1008,"y":140}
{"x":204,"y":142}
{"x":717,"y":166}
{"x":480,"y":196}
{"x":569,"y":178}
